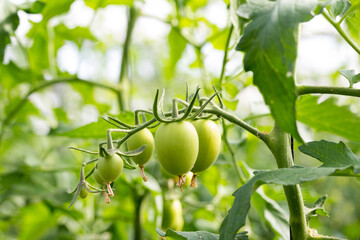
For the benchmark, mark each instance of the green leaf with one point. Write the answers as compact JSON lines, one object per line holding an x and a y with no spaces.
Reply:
{"x":174,"y":235}
{"x":7,"y":26}
{"x":329,"y":117}
{"x":331,"y":154}
{"x":177,"y":44}
{"x":55,"y":8}
{"x":271,"y":214}
{"x":317,"y":208}
{"x":350,"y":76}
{"x":339,"y":8}
{"x":98,"y":129}
{"x":76,"y":35}
{"x":219,"y":39}
{"x":95,"y":4}
{"x":337,"y":159}
{"x":270,"y":44}
{"x":35,"y":220}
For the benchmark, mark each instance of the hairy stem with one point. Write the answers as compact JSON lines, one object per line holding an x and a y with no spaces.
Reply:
{"x":279,"y":144}
{"x":302,"y":90}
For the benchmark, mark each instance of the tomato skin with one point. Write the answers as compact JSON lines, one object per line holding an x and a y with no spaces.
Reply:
{"x":83,"y":193}
{"x":209,"y":144}
{"x":97,"y":177}
{"x":177,"y":146}
{"x":110,"y":167}
{"x":172,"y":215}
{"x":143,"y":137}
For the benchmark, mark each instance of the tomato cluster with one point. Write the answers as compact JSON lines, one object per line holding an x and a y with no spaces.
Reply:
{"x":186,"y":145}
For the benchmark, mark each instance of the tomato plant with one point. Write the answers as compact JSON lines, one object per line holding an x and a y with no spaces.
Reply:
{"x":267,"y":124}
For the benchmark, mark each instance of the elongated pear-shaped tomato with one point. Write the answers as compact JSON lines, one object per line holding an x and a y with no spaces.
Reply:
{"x":177,"y":147}
{"x":172,"y":215}
{"x":209,"y":144}
{"x":139,"y":139}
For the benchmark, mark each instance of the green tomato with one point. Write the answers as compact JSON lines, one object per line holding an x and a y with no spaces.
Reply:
{"x":177,"y":146}
{"x":172,"y":215}
{"x":141,"y":138}
{"x":83,"y":193}
{"x":97,"y":177}
{"x":110,"y":167}
{"x":209,"y":144}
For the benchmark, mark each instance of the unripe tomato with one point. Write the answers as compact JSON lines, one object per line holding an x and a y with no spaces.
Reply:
{"x":177,"y":146}
{"x":97,"y":177}
{"x":110,"y":167}
{"x":141,"y":138}
{"x":172,"y":215}
{"x":83,"y":193}
{"x":209,"y":144}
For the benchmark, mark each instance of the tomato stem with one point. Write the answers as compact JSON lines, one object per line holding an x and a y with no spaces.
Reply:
{"x":107,"y":199}
{"x":143,"y":173}
{"x":109,"y":189}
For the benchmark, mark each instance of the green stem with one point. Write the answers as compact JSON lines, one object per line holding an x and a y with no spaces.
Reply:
{"x":279,"y":144}
{"x":234,"y":119}
{"x":238,"y":170}
{"x":123,"y":77}
{"x":343,"y":34}
{"x":302,"y":90}
{"x":221,"y":78}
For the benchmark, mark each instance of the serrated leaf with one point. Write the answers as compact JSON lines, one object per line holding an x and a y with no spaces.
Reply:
{"x":270,"y":44}
{"x":98,"y":129}
{"x":177,"y":44}
{"x":317,"y":208}
{"x":337,"y":160}
{"x":95,"y":4}
{"x":350,"y":76}
{"x":331,"y":154}
{"x":328,"y":116}
{"x":174,"y":235}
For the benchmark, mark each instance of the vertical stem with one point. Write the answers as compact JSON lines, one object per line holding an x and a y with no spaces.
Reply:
{"x":279,"y":144}
{"x":137,"y":220}
{"x":123,"y":78}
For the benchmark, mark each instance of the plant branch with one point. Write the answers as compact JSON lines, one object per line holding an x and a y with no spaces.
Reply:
{"x":343,"y":34}
{"x":279,"y":144}
{"x":222,"y":74}
{"x":46,"y":84}
{"x":123,"y":77}
{"x":302,"y":90}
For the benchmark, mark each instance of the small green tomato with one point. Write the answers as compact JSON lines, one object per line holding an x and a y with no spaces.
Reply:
{"x":172,"y":215}
{"x":83,"y":192}
{"x":139,"y":139}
